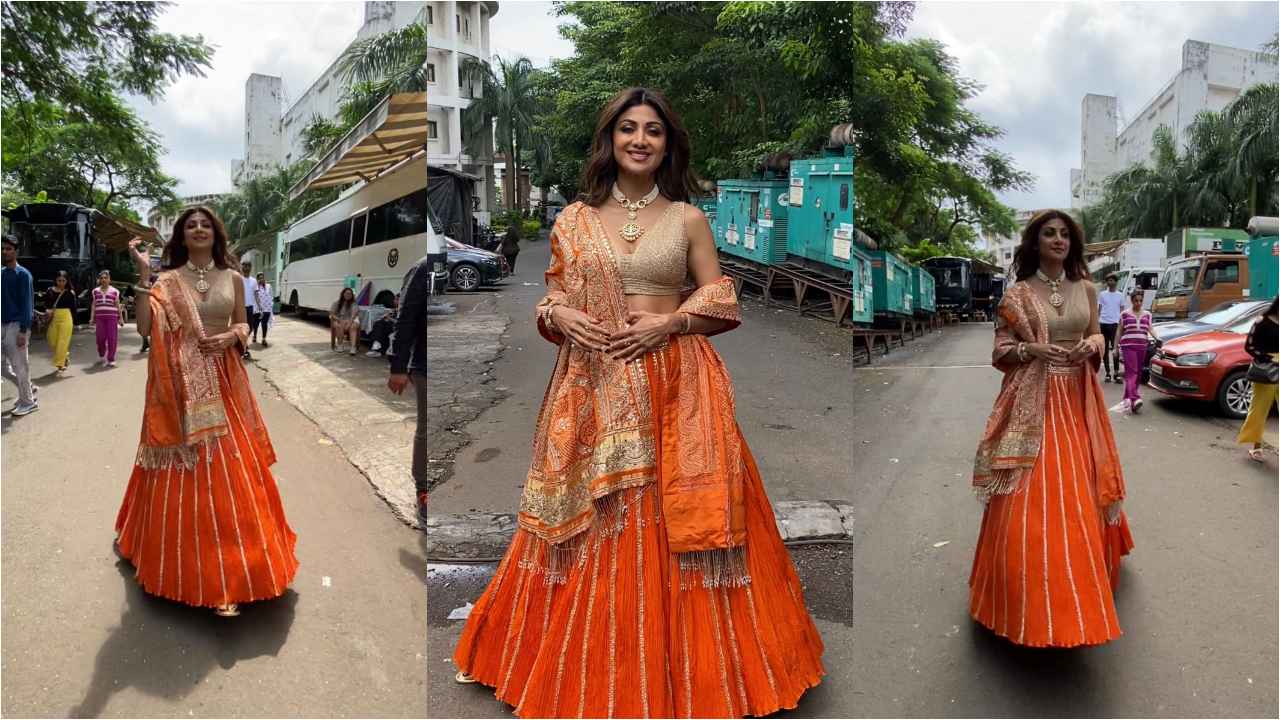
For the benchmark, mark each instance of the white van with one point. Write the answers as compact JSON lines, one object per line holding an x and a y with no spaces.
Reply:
{"x":1147,"y":278}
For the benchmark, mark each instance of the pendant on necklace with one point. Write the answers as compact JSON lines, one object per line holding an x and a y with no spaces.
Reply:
{"x":202,"y":286}
{"x":1056,"y":299}
{"x":631,"y":231}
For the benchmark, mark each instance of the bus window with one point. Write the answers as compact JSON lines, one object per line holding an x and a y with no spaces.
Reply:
{"x":408,"y":215}
{"x":357,"y":231}
{"x":48,"y":241}
{"x":376,"y":226}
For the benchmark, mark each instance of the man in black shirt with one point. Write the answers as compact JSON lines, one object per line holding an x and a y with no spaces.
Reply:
{"x":409,"y":365}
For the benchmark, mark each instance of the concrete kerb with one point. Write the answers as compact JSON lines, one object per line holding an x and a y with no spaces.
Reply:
{"x":474,"y":537}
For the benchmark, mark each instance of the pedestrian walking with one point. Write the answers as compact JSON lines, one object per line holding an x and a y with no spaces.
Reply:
{"x":1048,"y":554}
{"x":202,"y":521}
{"x":409,"y":366}
{"x":1262,"y":347}
{"x":343,"y":315}
{"x":61,"y":302}
{"x":250,"y":292}
{"x":1111,"y":303}
{"x":107,"y":317}
{"x":17,"y":307}
{"x":511,"y":243}
{"x":263,"y":305}
{"x":645,"y":538}
{"x":1135,"y":330}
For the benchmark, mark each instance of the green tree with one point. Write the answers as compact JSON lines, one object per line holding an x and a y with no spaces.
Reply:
{"x":754,"y":81}
{"x":1254,"y":118}
{"x":65,"y":127}
{"x":505,"y":110}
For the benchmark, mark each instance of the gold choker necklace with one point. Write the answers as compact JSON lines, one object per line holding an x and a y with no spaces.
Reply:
{"x":632,"y":230}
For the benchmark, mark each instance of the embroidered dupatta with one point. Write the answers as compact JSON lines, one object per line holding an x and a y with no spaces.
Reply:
{"x":596,"y":431}
{"x":1011,"y":441}
{"x":185,"y":406}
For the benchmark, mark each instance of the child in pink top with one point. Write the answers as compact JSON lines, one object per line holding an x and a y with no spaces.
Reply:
{"x":1135,"y":328}
{"x":107,"y":318}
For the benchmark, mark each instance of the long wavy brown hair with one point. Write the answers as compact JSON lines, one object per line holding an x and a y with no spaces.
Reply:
{"x":175,"y":250}
{"x":676,"y":180}
{"x":1026,"y":259}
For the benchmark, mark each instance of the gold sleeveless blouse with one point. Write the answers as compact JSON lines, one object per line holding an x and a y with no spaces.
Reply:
{"x":1069,"y":327}
{"x":660,"y":263}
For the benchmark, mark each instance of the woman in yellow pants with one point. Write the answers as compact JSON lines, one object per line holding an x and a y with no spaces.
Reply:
{"x":1261,"y":345}
{"x":61,"y":300}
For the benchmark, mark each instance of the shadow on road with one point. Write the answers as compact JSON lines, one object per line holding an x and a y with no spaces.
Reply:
{"x":167,"y":649}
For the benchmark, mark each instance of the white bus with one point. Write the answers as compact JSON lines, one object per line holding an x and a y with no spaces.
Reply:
{"x":374,"y":234}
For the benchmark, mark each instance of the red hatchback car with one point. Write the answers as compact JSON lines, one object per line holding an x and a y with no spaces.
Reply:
{"x":1207,"y":366}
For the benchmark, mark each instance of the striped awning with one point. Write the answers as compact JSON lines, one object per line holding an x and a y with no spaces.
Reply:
{"x":390,"y":133}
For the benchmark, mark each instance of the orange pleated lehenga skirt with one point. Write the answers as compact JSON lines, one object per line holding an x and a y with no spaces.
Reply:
{"x":1047,"y":562}
{"x":621,"y":631}
{"x":215,"y":533}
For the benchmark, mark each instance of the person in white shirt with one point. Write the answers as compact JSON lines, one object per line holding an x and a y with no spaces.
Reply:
{"x":1110,"y":304}
{"x":263,"y":301}
{"x":250,"y":288}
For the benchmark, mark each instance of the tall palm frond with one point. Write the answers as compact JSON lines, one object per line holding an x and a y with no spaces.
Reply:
{"x":393,"y":61}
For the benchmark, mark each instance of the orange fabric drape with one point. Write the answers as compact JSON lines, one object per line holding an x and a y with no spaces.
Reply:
{"x":630,"y":627}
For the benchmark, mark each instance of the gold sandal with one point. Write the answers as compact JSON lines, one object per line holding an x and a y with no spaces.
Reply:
{"x":464,"y":679}
{"x":229,"y":610}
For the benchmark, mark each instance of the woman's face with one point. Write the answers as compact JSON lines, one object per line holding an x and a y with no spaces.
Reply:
{"x":347,"y":295}
{"x":261,"y":278}
{"x":639,"y":141}
{"x":1137,"y":300}
{"x":60,"y":282}
{"x":1055,"y":240}
{"x":104,"y":281}
{"x":197,"y":232}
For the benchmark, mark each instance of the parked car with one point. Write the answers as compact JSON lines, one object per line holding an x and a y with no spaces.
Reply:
{"x":1222,"y":315}
{"x":470,"y":267}
{"x":1207,"y":366}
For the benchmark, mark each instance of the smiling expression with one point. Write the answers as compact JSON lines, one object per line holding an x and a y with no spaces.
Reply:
{"x":197,"y":232}
{"x":639,"y":141}
{"x":1055,"y":240}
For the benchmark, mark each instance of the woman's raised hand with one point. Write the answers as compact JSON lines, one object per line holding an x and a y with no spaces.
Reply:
{"x":580,"y":328}
{"x":141,"y":262}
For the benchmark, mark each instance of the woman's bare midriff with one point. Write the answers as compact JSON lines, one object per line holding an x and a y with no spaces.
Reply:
{"x":653,"y":303}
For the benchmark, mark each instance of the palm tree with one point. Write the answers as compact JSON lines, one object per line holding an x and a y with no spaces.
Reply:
{"x":1217,"y":193}
{"x":505,"y":110}
{"x":1142,"y":200}
{"x":1254,"y":118}
{"x":389,"y":63}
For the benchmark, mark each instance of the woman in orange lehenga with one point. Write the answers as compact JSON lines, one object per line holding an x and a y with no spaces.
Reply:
{"x":647,"y":577}
{"x":201,"y":519}
{"x":1048,"y":554}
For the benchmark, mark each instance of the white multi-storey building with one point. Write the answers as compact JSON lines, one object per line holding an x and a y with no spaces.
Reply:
{"x":456,"y":31}
{"x":1003,"y":246}
{"x":273,"y":134}
{"x":164,"y":223}
{"x":1210,"y":78}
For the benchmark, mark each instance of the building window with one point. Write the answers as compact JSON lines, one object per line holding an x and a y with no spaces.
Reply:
{"x":432,"y":130}
{"x":457,"y":23}
{"x":431,"y":15}
{"x":466,"y":28}
{"x":431,"y":72}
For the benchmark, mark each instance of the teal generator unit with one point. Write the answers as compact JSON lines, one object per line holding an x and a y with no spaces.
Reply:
{"x":821,"y":214}
{"x":891,"y":276}
{"x":751,"y":219}
{"x":862,"y":309}
{"x":707,"y":205}
{"x":922,"y":291}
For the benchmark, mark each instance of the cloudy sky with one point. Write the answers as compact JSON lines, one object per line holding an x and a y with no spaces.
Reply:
{"x":201,"y":120}
{"x":1036,"y":61}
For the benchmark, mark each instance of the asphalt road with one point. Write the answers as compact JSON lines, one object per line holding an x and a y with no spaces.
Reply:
{"x":82,"y":639}
{"x":1197,"y":598}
